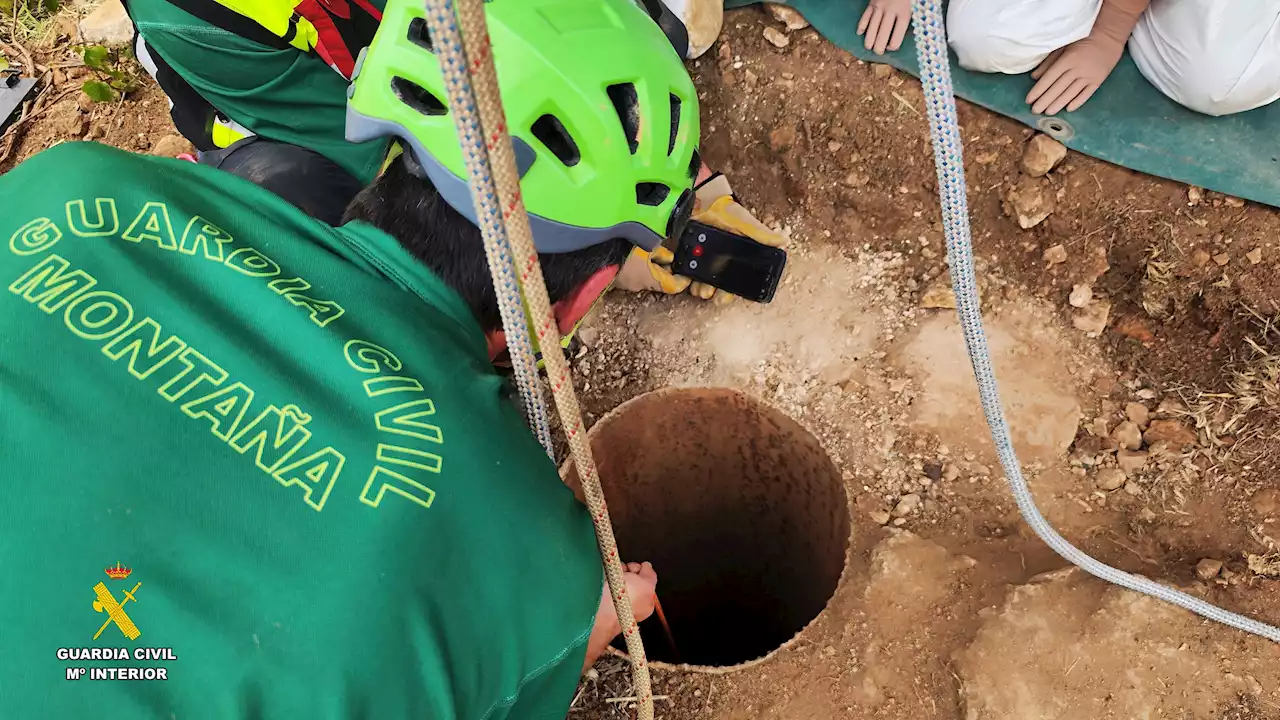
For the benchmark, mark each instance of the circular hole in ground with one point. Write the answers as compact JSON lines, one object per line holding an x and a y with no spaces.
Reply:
{"x":740,"y":510}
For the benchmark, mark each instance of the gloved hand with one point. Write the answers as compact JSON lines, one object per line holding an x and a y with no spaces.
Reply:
{"x":1070,"y":75}
{"x":885,"y":22}
{"x":714,"y":206}
{"x":650,"y":271}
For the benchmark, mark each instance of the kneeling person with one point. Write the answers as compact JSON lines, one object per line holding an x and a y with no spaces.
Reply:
{"x":1213,"y":57}
{"x":293,"y":435}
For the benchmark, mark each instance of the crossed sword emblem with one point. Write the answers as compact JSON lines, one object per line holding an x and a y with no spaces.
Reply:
{"x":106,"y":602}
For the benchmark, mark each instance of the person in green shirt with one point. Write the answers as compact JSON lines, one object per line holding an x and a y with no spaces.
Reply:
{"x":257,"y":466}
{"x":292,"y":436}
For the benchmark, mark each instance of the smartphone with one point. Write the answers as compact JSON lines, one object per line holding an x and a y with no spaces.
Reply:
{"x":729,"y":262}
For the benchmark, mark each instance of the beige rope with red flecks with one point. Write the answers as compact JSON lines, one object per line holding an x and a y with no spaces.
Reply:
{"x":466,"y":60}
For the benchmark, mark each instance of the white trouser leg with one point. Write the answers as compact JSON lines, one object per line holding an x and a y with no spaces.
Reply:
{"x":1014,"y":36}
{"x":1214,"y":56}
{"x":143,"y":54}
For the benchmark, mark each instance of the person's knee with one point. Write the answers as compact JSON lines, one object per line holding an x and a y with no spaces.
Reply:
{"x":979,"y":44}
{"x":1014,"y":36}
{"x":1204,"y":83}
{"x":1209,"y":90}
{"x":1208,"y":59}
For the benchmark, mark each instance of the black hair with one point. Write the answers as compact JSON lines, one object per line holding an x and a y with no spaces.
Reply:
{"x":412,"y":211}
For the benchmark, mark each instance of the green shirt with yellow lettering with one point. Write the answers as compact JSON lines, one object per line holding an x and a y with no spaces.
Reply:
{"x":257,"y":467}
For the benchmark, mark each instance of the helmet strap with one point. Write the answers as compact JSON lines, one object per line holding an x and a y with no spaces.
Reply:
{"x":676,"y":32}
{"x":569,"y":310}
{"x":393,"y":152}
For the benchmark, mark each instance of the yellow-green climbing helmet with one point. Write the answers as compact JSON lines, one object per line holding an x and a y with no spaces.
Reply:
{"x":602,"y":114}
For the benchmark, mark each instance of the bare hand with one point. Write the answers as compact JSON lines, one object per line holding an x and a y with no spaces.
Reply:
{"x":642,"y":583}
{"x":642,"y":588}
{"x":885,"y":23}
{"x":1071,"y":74}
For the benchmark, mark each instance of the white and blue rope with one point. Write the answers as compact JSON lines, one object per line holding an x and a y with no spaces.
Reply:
{"x":442,"y":22}
{"x":944,"y":128}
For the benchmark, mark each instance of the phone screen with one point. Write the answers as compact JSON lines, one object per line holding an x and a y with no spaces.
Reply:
{"x":729,"y":262}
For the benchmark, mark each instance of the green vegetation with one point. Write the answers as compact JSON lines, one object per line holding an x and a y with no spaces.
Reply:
{"x":114,"y":74}
{"x":22,"y":21}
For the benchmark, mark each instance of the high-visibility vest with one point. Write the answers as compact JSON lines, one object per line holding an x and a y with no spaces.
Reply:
{"x":334,"y":30}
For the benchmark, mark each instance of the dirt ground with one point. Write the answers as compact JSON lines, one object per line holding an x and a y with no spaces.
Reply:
{"x":1132,"y":332}
{"x":955,"y":609}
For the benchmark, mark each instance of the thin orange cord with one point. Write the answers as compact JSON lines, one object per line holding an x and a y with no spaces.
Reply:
{"x":666,"y":627}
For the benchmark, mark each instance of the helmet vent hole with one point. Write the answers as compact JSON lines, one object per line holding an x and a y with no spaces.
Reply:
{"x":675,"y":124}
{"x":417,"y":97}
{"x":695,"y":164}
{"x":652,"y":194}
{"x":550,"y":131}
{"x":419,"y":35}
{"x":627,"y":103}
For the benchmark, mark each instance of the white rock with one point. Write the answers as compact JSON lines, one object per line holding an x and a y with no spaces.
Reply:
{"x":856,"y":179}
{"x":1100,"y":427}
{"x":1110,"y":479}
{"x":1029,"y":202}
{"x":776,"y":37}
{"x":1138,"y":414}
{"x":1127,"y":435}
{"x":108,"y":25}
{"x":906,"y":505}
{"x":1208,"y":568}
{"x":1080,"y":296}
{"x":1057,"y":255}
{"x":1131,"y":461}
{"x":1043,"y":154}
{"x":1093,"y":319}
{"x":172,"y":146}
{"x":788,"y":16}
{"x":589,"y":336}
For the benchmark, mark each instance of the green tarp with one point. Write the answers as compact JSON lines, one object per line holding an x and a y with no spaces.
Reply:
{"x":1127,"y":122}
